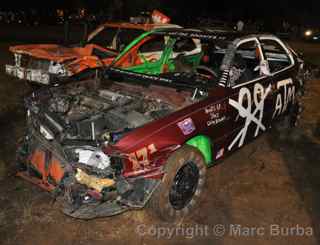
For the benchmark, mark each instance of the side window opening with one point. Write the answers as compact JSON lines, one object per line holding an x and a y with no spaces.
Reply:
{"x":155,"y":44}
{"x":206,"y":70}
{"x":151,"y":50}
{"x":186,"y":54}
{"x":213,"y":55}
{"x":184,"y":45}
{"x":115,"y":38}
{"x":105,"y":37}
{"x":245,"y":64}
{"x":126,"y":36}
{"x":275,"y":54}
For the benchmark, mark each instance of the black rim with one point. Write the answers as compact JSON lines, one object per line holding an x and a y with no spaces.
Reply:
{"x":184,"y":185}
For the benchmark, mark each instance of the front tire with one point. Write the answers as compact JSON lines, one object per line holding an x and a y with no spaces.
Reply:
{"x":182,"y":186}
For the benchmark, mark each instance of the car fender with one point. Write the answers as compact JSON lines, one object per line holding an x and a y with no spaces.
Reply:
{"x":203,"y":144}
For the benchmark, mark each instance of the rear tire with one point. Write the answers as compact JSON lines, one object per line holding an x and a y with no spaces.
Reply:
{"x":181,"y":189}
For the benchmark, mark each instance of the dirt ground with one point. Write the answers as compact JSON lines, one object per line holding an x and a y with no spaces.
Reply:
{"x":266,"y":193}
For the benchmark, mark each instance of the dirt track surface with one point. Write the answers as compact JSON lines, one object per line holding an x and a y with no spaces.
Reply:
{"x":267,"y":185}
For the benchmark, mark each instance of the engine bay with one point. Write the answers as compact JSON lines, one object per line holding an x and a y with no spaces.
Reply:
{"x":105,"y":114}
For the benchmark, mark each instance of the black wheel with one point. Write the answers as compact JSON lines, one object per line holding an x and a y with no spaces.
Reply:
{"x":181,"y":189}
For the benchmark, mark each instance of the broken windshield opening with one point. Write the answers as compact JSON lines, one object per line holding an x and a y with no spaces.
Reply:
{"x":115,"y":38}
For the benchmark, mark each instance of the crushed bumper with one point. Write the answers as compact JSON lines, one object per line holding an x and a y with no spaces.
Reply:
{"x":83,"y":195}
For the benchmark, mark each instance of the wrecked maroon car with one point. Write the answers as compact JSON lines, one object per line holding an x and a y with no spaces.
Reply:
{"x":137,"y":140}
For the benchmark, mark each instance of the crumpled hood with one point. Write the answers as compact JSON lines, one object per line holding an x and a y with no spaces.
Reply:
{"x":52,"y":52}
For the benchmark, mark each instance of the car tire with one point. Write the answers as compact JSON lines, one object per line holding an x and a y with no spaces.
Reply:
{"x":172,"y":201}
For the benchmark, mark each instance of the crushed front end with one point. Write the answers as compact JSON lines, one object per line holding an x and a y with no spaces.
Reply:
{"x":68,"y":130}
{"x":34,"y":69}
{"x":47,"y":64}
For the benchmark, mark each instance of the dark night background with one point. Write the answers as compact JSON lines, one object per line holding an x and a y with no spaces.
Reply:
{"x":181,"y":11}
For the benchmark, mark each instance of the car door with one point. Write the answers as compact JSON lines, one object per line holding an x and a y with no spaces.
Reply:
{"x":282,"y":71}
{"x":250,"y":94}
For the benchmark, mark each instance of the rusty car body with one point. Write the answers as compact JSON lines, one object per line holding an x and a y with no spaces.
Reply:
{"x":143,"y":139}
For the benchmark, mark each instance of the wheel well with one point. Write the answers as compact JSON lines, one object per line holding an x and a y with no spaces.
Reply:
{"x":203,"y":144}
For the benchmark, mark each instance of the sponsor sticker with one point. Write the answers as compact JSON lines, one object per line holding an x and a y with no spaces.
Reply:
{"x":186,"y":126}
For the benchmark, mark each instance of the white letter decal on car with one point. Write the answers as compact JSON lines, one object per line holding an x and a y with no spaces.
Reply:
{"x":288,"y":96}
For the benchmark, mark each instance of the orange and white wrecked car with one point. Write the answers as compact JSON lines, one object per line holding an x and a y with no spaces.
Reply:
{"x":45,"y":63}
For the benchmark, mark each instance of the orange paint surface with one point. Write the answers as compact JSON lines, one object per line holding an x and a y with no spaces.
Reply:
{"x":38,"y":161}
{"x":55,"y":169}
